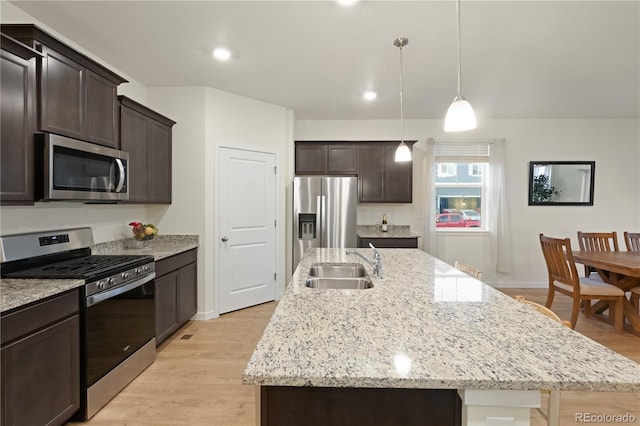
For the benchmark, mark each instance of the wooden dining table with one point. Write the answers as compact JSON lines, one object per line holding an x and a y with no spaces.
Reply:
{"x":619,"y":268}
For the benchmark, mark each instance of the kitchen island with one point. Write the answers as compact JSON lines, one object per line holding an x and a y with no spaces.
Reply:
{"x":427,"y":330}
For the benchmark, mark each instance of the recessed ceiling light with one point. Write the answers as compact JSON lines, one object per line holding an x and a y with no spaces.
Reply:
{"x":221,"y":54}
{"x":370,"y":95}
{"x":346,"y":2}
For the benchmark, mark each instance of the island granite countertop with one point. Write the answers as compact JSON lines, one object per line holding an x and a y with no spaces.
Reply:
{"x":15,"y":293}
{"x":424,"y":325}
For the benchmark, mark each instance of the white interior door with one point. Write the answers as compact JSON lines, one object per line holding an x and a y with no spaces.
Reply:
{"x":247,"y":261}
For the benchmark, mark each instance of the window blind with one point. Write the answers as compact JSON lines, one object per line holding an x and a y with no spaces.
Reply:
{"x":461,"y":152}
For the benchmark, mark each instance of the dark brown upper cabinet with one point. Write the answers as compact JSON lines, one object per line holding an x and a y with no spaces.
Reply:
{"x":77,"y":95}
{"x":17,"y":122}
{"x":146,"y":136}
{"x":324,"y":158}
{"x":380,"y":178}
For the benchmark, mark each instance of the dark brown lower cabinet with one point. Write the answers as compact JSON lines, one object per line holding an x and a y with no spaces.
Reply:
{"x":40,"y":359}
{"x":388,"y":242}
{"x":176,"y":292}
{"x":311,"y":406}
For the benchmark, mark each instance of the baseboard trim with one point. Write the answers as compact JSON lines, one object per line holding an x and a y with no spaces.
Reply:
{"x":203,"y":316}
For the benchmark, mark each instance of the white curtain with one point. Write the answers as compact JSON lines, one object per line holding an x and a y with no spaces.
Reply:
{"x":499,"y":220}
{"x":430,"y":242}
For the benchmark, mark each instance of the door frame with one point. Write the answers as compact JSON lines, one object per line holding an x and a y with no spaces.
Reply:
{"x":278,"y":241}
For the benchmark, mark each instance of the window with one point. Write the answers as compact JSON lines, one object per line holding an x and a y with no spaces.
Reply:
{"x":475,"y":169}
{"x":446,"y":169}
{"x":460,"y":185}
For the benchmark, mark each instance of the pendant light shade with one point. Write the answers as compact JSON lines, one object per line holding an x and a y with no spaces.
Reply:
{"x":460,"y":115}
{"x":402,"y":151}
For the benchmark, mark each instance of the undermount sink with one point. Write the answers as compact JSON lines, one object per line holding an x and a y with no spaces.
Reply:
{"x":342,"y":276}
{"x":331,"y":270}
{"x":339,"y":283}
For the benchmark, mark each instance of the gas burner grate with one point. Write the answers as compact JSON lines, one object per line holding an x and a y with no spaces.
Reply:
{"x":84,"y":267}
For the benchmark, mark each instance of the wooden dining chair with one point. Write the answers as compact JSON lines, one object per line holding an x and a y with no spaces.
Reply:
{"x":597,"y":241}
{"x":632,"y":241}
{"x":563,"y":278}
{"x":553,"y":405}
{"x":468,"y":269}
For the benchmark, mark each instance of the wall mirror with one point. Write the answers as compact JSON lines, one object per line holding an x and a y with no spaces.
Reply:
{"x":561,"y":183}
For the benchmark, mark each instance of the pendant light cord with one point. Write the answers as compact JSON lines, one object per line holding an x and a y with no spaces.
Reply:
{"x":459,"y":52}
{"x":401,"y":107}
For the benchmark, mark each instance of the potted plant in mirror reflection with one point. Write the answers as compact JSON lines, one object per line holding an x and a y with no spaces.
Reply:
{"x":543,"y":190}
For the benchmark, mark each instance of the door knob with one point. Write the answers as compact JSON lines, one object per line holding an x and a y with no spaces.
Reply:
{"x":225,"y":239}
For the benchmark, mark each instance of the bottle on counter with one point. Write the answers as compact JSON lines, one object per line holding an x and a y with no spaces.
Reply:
{"x":384,"y":222}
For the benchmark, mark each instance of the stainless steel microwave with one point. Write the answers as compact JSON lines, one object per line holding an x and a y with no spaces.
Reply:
{"x":78,"y":170}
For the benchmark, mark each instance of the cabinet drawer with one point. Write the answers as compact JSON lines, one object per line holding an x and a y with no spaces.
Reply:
{"x":164,"y":266}
{"x":39,"y":315}
{"x":389,"y":242}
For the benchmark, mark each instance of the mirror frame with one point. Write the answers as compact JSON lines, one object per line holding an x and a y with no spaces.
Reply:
{"x":588,"y":164}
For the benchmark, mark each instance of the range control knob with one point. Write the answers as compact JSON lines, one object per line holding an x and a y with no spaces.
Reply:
{"x":145,"y":268}
{"x":138,"y":271}
{"x":110,"y":281}
{"x":125,"y":275}
{"x":101,"y":284}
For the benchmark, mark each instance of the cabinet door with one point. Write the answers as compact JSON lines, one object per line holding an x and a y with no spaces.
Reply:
{"x":371,"y":174}
{"x":17,"y":116}
{"x":101,"y":114}
{"x":397,"y":178}
{"x":61,"y":95}
{"x":388,"y":242}
{"x":133,"y":139}
{"x":310,"y":159}
{"x":342,"y":159}
{"x":41,"y":376}
{"x":166,"y":305}
{"x":187,"y":292}
{"x":159,"y":162}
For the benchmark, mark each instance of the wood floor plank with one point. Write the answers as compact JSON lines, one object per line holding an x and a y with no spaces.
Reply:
{"x":198,"y":381}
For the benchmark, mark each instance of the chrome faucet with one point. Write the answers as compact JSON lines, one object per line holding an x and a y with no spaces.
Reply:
{"x":376,"y":263}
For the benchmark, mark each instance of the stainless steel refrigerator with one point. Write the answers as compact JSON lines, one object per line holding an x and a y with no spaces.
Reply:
{"x":324,"y":213}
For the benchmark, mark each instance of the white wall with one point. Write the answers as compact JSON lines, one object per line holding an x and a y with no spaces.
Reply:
{"x":207,"y":118}
{"x":108,"y":222}
{"x":613,"y":144}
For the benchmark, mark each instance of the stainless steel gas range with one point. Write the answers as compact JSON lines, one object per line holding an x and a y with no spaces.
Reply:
{"x":117,"y":320}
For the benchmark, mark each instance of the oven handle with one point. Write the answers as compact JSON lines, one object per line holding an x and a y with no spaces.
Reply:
{"x":99,"y":297}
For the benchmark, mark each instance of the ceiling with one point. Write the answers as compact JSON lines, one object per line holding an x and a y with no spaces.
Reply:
{"x":520,"y":59}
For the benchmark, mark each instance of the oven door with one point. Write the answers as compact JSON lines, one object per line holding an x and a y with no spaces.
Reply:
{"x":117,"y":323}
{"x":77,"y":170}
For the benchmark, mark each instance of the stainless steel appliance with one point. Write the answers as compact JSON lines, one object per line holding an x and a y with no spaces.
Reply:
{"x":77,"y":170}
{"x":117,"y":318}
{"x":324,"y":213}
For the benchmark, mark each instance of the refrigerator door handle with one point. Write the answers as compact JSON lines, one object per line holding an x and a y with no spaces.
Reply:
{"x":322,"y":220}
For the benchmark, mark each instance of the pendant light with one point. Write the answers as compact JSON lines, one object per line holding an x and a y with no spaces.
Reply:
{"x":460,"y":115}
{"x":403,"y":153}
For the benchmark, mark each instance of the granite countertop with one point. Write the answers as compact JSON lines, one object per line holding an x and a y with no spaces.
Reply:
{"x":394,"y":231}
{"x":15,"y":293}
{"x":161,"y":247}
{"x":425,"y":325}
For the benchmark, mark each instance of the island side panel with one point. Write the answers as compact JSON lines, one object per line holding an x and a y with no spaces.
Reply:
{"x":312,"y":406}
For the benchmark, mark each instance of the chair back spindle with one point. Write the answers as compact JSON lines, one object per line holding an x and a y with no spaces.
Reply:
{"x":632,"y":241}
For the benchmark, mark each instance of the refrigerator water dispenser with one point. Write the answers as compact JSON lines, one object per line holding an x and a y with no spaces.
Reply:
{"x":307,"y":226}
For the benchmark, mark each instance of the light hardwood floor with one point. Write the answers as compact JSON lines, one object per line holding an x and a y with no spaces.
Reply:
{"x":197,"y":381}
